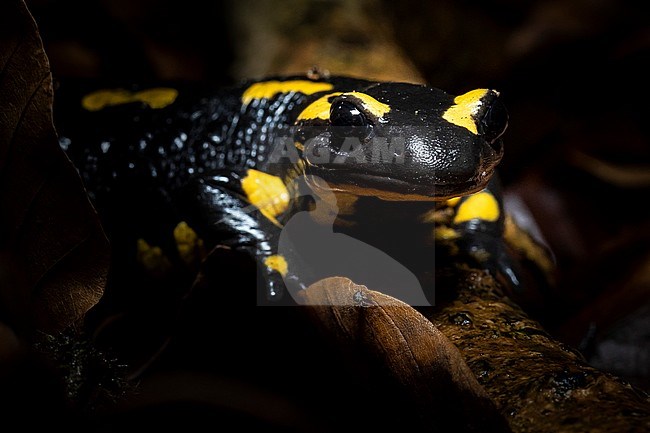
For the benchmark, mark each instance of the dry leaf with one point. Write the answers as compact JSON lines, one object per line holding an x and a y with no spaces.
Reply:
{"x":419,"y":356}
{"x":54,"y":252}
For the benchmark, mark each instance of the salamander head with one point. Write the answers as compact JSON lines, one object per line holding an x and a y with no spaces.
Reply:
{"x":399,"y":141}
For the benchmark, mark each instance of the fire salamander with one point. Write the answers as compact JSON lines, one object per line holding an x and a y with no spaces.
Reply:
{"x":405,"y":167}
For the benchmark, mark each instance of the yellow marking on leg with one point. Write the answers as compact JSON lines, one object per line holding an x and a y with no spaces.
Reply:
{"x":465,"y":108}
{"x":320,"y":108}
{"x":152,"y":259}
{"x":452,"y":202}
{"x":190,"y":246}
{"x":268,"y":89}
{"x":159,"y":97}
{"x":481,"y":205}
{"x":277,"y":263}
{"x":444,"y":233}
{"x":266,"y":192}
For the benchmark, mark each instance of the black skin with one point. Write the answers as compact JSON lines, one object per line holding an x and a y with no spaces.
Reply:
{"x":147,"y":169}
{"x":440,"y":159}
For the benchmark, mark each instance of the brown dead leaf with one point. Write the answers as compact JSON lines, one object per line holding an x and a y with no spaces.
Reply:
{"x":54,"y":251}
{"x":413,"y":350}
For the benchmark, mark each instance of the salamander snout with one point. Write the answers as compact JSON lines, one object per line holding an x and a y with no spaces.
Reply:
{"x":494,"y":122}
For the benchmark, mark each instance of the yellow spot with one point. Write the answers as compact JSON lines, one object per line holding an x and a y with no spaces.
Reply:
{"x":299,"y":146}
{"x":452,"y":202}
{"x":277,"y":263}
{"x":155,"y":98}
{"x":152,"y":259}
{"x":320,"y":109}
{"x":267,"y":192}
{"x":444,"y":233}
{"x":371,"y":105}
{"x":465,"y":108}
{"x":190,"y":246}
{"x":481,"y":205}
{"x":159,"y":97}
{"x":103,"y":98}
{"x":268,"y":89}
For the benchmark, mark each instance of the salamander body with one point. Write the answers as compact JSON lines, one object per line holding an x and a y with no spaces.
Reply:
{"x":400,"y":167}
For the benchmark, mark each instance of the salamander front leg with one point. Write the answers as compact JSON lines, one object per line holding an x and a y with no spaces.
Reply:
{"x":480,"y":234}
{"x":224,"y":211}
{"x":477,"y":229}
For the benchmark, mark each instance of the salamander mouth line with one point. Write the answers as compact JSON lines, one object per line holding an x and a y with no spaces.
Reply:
{"x":392,"y":189}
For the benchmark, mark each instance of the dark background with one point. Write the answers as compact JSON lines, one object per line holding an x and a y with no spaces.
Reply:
{"x":572,"y":73}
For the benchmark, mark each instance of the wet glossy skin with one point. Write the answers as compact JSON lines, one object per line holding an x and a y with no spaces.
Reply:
{"x":152,"y":160}
{"x":437,"y":159}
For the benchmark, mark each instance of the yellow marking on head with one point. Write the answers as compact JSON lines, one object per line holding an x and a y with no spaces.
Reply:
{"x":445,"y":233}
{"x":152,"y":259}
{"x":267,"y":192}
{"x":464,"y":108}
{"x":371,"y":105}
{"x":159,"y":97}
{"x":190,"y":246}
{"x":320,"y":108}
{"x":278,"y":263}
{"x":268,"y":89}
{"x":481,"y":205}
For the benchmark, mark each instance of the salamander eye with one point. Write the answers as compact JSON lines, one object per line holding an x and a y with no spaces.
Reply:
{"x":345,"y":113}
{"x":348,"y":122}
{"x":494,"y":121}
